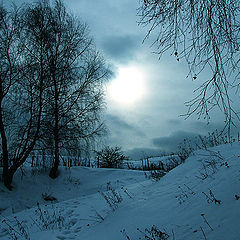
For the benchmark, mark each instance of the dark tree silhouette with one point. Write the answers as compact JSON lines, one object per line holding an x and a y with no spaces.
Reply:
{"x":22,"y":85}
{"x":9,"y":29}
{"x":51,"y":84}
{"x":110,"y":157}
{"x":76,"y":72}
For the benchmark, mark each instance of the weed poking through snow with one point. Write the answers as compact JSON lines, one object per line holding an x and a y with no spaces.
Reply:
{"x":155,"y":175}
{"x":16,"y":229}
{"x":48,"y":219}
{"x":185,"y":193}
{"x":205,"y":220}
{"x":124,"y":233}
{"x":211,"y":198}
{"x":154,"y":234}
{"x":149,"y":234}
{"x":48,"y":197}
{"x":113,"y":198}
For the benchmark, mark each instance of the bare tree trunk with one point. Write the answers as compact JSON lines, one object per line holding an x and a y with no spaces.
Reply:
{"x":54,"y":170}
{"x":7,"y":173}
{"x":6,"y":178}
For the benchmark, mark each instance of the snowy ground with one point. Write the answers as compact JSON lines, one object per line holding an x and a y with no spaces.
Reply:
{"x":196,"y":200}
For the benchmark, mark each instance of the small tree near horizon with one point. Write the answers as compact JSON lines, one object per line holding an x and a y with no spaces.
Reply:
{"x":110,"y":157}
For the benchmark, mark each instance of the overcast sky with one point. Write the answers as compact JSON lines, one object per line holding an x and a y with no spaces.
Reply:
{"x":149,"y":121}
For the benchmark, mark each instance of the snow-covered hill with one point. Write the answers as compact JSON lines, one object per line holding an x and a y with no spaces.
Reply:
{"x":197,"y":200}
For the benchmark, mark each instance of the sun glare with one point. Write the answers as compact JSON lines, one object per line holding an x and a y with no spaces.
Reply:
{"x":128,"y":86}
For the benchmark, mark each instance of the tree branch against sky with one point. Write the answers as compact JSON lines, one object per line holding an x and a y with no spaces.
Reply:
{"x":206,"y":35}
{"x":22,"y":84}
{"x":51,"y":84}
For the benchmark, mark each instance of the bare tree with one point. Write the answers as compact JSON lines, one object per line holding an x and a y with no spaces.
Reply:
{"x":74,"y":97}
{"x":8,"y":58}
{"x":206,"y":34}
{"x":51,"y":84}
{"x":23,"y":75}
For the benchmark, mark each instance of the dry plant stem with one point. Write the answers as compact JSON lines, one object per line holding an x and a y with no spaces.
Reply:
{"x":192,"y":192}
{"x":125,"y":234}
{"x":205,"y":220}
{"x":173,"y":235}
{"x":203,"y":233}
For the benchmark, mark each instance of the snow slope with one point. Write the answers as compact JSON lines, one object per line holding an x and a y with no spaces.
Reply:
{"x":196,"y":200}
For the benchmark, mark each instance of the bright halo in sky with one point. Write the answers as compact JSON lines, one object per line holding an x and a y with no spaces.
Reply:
{"x":128,"y":86}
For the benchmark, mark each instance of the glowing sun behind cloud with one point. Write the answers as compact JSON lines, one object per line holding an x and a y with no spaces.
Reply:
{"x":128,"y":86}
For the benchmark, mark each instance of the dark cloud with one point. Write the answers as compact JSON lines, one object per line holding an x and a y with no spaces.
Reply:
{"x":195,"y":129}
{"x":174,"y":122}
{"x":203,"y":128}
{"x":171,"y":142}
{"x":121,"y":48}
{"x":119,"y":126}
{"x":123,"y":133}
{"x":140,"y":153}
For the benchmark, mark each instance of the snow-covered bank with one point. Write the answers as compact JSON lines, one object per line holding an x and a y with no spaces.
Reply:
{"x":30,"y":185}
{"x":196,"y":200}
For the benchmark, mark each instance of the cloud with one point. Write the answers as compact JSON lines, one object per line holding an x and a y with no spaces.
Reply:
{"x":123,"y":133}
{"x":204,"y":129}
{"x":120,"y":125}
{"x":174,"y":122}
{"x":171,"y":142}
{"x":139,"y":153}
{"x":191,"y":132}
{"x":121,"y":48}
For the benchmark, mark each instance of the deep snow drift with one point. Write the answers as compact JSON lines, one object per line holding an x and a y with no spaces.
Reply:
{"x":197,"y":200}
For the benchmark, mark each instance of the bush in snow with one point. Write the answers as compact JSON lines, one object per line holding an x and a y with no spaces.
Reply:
{"x":154,"y":234}
{"x":150,"y":234}
{"x":110,"y":157}
{"x":15,"y":229}
{"x":47,"y":219}
{"x":155,"y":175}
{"x":48,"y":197}
{"x":113,"y":198}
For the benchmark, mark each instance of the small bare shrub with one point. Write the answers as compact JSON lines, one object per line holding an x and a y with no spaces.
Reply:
{"x":154,"y":234}
{"x":47,"y":219}
{"x":155,"y":175}
{"x":16,"y":229}
{"x":211,"y":197}
{"x":149,"y":234}
{"x":48,"y":197}
{"x":184,"y":193}
{"x":110,"y":157}
{"x":211,"y":165}
{"x":113,"y":198}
